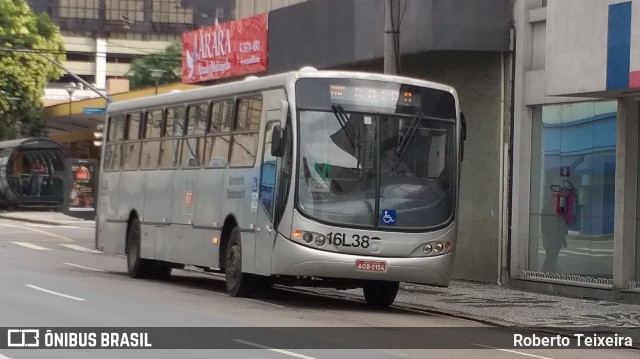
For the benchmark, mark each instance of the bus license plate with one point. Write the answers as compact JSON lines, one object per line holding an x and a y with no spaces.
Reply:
{"x":371,"y":266}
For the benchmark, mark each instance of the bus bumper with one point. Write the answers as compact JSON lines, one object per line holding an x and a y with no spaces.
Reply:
{"x":298,"y":260}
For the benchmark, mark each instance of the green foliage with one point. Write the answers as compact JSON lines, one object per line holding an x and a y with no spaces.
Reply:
{"x":169,"y":60}
{"x":25,"y":74}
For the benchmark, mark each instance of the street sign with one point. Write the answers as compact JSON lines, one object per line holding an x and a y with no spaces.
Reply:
{"x":94,"y":110}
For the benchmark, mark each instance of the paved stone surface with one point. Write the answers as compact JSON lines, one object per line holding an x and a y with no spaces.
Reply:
{"x":503,"y":306}
{"x":520,"y":307}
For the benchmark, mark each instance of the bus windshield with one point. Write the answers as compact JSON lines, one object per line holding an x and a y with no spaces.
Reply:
{"x":376,"y":169}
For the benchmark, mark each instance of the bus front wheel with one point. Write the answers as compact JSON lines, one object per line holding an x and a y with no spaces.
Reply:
{"x":238,"y":284}
{"x":380,"y":293}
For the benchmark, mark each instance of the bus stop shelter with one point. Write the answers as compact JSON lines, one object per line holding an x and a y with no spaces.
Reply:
{"x":20,"y":185}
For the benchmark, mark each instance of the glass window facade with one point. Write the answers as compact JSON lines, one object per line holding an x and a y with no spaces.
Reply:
{"x":127,"y":10}
{"x":573,"y":189}
{"x":80,"y":9}
{"x":171,"y":11}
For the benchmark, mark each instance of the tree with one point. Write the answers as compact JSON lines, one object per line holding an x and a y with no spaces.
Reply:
{"x":169,"y":60}
{"x":25,"y":74}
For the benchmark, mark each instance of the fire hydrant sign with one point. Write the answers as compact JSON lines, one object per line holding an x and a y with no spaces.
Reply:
{"x":229,"y":49}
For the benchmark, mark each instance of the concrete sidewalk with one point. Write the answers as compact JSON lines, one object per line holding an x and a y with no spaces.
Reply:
{"x":46,"y":217}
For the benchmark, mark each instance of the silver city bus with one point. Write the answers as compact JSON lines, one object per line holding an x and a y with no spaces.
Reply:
{"x":320,"y":178}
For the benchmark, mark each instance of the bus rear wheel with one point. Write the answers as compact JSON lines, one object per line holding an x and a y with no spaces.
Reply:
{"x":136,"y":266}
{"x":238,"y":284}
{"x":380,"y":293}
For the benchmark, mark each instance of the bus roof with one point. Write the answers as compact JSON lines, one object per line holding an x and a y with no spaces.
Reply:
{"x":253,"y":83}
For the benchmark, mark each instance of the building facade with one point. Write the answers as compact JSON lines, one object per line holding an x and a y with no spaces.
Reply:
{"x":102,"y":37}
{"x":575,"y":223}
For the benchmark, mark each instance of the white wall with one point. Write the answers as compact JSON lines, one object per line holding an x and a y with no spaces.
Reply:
{"x":576,"y":52}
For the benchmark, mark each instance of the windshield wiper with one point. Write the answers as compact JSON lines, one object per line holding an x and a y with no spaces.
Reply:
{"x":343,"y":120}
{"x":406,"y":138}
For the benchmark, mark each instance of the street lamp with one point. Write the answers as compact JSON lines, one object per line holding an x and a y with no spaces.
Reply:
{"x":156,"y":75}
{"x":13,"y":101}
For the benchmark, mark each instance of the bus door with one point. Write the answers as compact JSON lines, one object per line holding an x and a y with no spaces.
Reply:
{"x":266,"y":199}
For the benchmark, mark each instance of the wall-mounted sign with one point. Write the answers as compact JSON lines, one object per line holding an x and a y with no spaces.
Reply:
{"x":94,"y":110}
{"x":230,"y":49}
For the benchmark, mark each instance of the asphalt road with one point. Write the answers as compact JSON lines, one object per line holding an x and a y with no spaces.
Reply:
{"x":51,"y":277}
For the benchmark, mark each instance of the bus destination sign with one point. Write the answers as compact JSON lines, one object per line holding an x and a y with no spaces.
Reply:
{"x":373,"y":96}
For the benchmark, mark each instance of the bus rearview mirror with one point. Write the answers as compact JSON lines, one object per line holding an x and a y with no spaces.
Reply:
{"x":277,"y":141}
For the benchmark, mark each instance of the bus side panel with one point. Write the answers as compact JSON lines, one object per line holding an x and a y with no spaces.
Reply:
{"x":109,"y":194}
{"x":207,"y":218}
{"x":131,"y":196}
{"x":167,"y":240}
{"x":207,"y":203}
{"x":202,"y":251}
{"x":184,"y":196}
{"x":237,"y":200}
{"x":112,"y":237}
{"x":111,"y":229}
{"x":158,"y":204}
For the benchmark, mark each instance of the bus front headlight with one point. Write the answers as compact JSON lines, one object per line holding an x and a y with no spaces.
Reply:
{"x":320,"y":240}
{"x":307,"y":237}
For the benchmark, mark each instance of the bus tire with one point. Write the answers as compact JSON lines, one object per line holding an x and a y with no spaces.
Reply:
{"x":380,"y":293}
{"x":238,"y":284}
{"x":137,"y":266}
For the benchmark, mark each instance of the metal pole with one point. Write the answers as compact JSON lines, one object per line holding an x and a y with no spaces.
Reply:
{"x":70,"y":113}
{"x":60,"y":66}
{"x":390,"y":59}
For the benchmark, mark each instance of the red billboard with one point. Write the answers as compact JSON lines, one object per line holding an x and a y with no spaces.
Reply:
{"x":230,"y":49}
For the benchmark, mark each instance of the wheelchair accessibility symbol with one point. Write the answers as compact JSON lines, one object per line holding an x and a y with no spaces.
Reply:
{"x":388,"y":217}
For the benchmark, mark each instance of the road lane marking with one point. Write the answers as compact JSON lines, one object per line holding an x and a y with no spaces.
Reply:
{"x":286,"y":352}
{"x":262,"y":302}
{"x":66,"y":239}
{"x":56,"y":226}
{"x":52,"y":292}
{"x":83,"y":267}
{"x":512,"y":351}
{"x":80,"y":248}
{"x":4,"y":357}
{"x":32,"y":246}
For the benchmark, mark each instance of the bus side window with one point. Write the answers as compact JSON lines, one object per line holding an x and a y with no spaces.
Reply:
{"x":192,"y":146}
{"x":151,"y":143}
{"x":131,"y":150}
{"x":173,"y":129}
{"x":246,"y":127}
{"x":115,"y":134}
